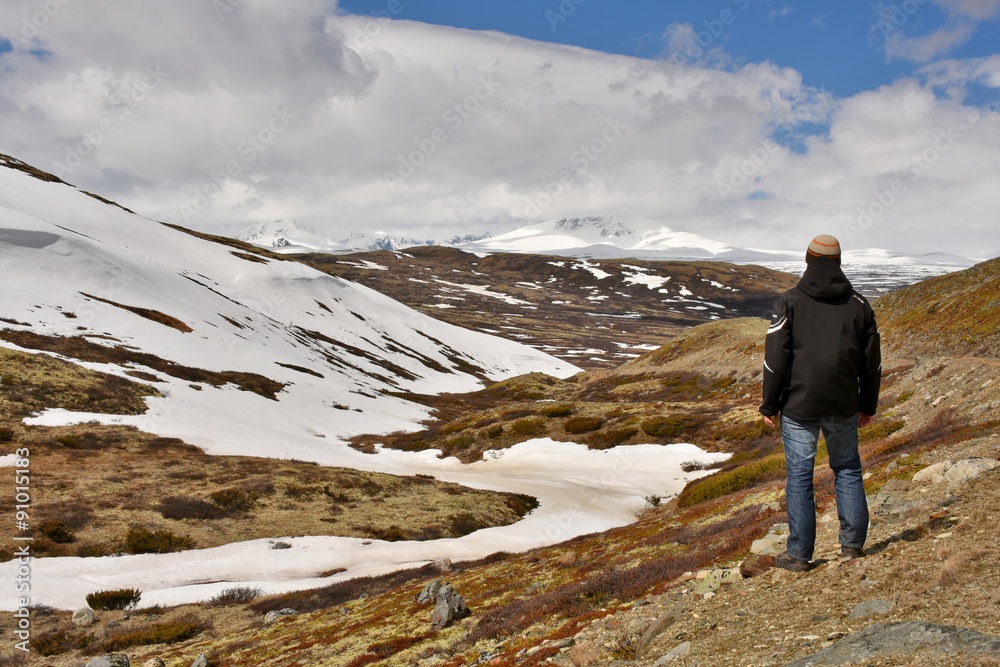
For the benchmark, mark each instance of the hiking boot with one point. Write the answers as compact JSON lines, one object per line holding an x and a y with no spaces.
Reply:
{"x":850,"y":553}
{"x":791,"y":563}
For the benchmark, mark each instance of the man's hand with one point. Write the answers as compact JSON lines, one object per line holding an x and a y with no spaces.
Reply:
{"x":865,"y":420}
{"x":769,"y":422}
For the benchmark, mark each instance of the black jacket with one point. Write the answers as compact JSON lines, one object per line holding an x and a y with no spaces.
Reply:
{"x":822,"y":356}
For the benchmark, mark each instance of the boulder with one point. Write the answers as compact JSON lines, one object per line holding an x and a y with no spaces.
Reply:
{"x":773,"y":543}
{"x":450,"y":607}
{"x":869,"y":608}
{"x":83,"y":616}
{"x":110,"y":660}
{"x":272,"y":616}
{"x":200,"y":661}
{"x":902,"y":638}
{"x":585,"y":653}
{"x":676,"y":653}
{"x":153,"y":662}
{"x":430,"y":592}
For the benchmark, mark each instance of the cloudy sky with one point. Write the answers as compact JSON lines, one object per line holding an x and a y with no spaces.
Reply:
{"x":754,"y":122}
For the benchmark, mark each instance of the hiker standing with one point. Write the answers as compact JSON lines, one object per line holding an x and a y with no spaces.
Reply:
{"x":822,"y":371}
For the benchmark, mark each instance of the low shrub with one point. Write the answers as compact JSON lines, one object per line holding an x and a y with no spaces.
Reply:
{"x":729,"y":481}
{"x":235,"y":500}
{"x":528,"y":426}
{"x":123,"y":598}
{"x":464,"y":523}
{"x":582,"y":424}
{"x":521,"y":503}
{"x":297,"y":491}
{"x":879,"y":430}
{"x":60,"y":641}
{"x":612,"y":437}
{"x":558,"y":410}
{"x":237,"y":595}
{"x":6,"y":434}
{"x":459,"y":442}
{"x":169,"y":632}
{"x":186,"y":507}
{"x":491,"y":432}
{"x":143,"y":541}
{"x":56,"y":531}
{"x":744,"y":431}
{"x":672,"y":426}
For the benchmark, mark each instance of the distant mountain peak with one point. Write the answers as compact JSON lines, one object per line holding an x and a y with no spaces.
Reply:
{"x":608,"y":227}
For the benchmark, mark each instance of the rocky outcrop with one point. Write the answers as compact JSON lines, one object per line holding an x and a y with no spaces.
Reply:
{"x":449,"y":607}
{"x":902,"y":638}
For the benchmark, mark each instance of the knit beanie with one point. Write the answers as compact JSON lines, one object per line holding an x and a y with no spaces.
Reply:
{"x":823,"y":245}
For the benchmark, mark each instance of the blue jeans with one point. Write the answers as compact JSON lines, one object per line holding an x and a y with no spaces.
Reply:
{"x":800,"y":456}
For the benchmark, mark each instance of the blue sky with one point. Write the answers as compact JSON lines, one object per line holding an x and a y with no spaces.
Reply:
{"x":839,"y":47}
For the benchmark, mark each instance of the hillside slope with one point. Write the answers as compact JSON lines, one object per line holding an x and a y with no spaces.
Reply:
{"x":318,"y":354}
{"x":957,"y":314}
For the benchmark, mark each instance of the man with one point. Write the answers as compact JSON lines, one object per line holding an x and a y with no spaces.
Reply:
{"x":822,"y":372}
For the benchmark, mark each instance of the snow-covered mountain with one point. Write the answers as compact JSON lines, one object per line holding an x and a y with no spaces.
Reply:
{"x":76,"y":266}
{"x":286,"y":236}
{"x":606,"y":238}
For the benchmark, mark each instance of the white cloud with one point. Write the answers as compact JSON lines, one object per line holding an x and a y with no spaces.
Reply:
{"x":976,"y":9}
{"x":312,"y":110}
{"x":926,"y":48}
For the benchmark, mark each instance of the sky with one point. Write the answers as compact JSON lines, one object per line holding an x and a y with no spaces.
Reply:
{"x":754,"y":122}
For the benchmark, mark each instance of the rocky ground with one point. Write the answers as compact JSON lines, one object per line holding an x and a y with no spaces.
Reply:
{"x":931,"y":559}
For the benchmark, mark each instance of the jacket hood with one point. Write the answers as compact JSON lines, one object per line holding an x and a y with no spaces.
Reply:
{"x":825,"y":280}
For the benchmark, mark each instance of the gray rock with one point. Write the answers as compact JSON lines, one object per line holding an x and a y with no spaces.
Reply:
{"x":968,"y":469}
{"x":430,"y":592}
{"x":717,"y":578}
{"x":272,"y":616}
{"x":153,"y":662}
{"x":901,"y":638}
{"x":679,"y":651}
{"x":281,"y":545}
{"x":449,"y":607}
{"x":110,"y":660}
{"x":444,"y":565}
{"x":200,"y":661}
{"x":869,"y":608}
{"x":83,"y":616}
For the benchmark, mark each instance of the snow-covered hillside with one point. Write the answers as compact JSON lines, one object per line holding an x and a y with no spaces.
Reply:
{"x":76,"y":266}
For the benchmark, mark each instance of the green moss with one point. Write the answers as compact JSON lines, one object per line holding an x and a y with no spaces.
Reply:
{"x":879,"y":430}
{"x":725,"y":482}
{"x":672,"y":426}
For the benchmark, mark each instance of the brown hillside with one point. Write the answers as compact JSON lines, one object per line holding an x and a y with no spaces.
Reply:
{"x":595,"y":314}
{"x":956,"y":314}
